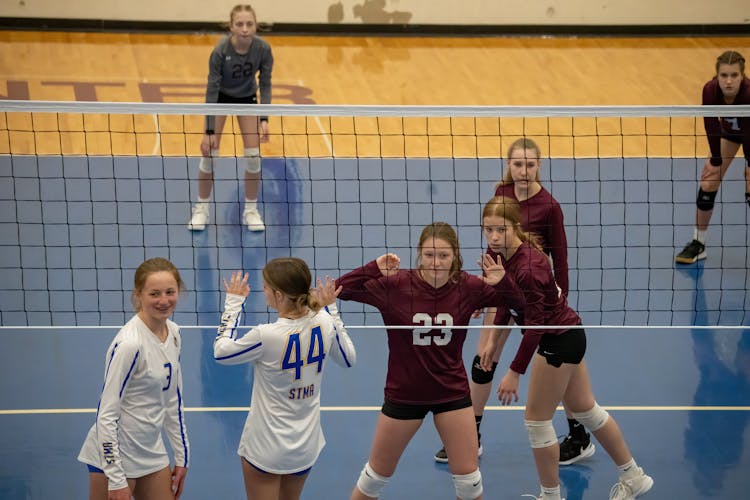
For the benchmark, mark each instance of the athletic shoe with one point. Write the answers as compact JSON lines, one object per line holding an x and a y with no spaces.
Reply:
{"x":251,"y":218}
{"x":627,"y":489}
{"x":540,"y":497}
{"x":442,"y":457}
{"x":200,"y":217}
{"x":573,"y":449}
{"x":693,"y":252}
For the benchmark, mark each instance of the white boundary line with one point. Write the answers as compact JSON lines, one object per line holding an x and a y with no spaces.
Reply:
{"x":157,"y":142}
{"x":323,"y":133}
{"x":229,"y":409}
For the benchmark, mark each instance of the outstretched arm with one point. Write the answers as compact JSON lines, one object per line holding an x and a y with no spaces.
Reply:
{"x":228,"y":349}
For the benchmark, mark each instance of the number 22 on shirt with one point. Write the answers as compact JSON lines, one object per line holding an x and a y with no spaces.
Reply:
{"x":293,"y":353}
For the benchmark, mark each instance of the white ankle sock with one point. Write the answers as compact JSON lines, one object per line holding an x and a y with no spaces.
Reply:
{"x":700,"y":235}
{"x":251,"y":204}
{"x":629,"y":470}
{"x":551,"y":493}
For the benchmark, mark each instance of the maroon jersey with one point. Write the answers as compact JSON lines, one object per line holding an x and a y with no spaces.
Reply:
{"x":425,"y":364}
{"x":545,"y":305}
{"x":736,"y":128}
{"x":541,"y":214}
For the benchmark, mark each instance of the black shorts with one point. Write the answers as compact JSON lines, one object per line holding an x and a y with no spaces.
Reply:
{"x":300,"y":473}
{"x":228,"y":99}
{"x":568,"y":347}
{"x":401,"y":411}
{"x":735,"y":138}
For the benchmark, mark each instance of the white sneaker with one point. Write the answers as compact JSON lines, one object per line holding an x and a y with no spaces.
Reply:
{"x":200,"y":217}
{"x":627,"y":489}
{"x":540,"y":497}
{"x":251,"y":218}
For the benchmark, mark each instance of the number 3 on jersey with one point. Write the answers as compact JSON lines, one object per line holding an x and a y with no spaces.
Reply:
{"x":293,"y":353}
{"x":442,"y":319}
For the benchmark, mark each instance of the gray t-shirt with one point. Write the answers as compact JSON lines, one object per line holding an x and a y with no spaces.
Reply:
{"x":234,"y":74}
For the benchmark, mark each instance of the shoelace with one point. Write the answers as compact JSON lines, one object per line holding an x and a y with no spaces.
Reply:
{"x":621,"y":489}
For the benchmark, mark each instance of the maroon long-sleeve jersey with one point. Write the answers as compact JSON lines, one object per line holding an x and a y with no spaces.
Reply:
{"x":541,"y":214}
{"x":544,"y":304}
{"x":737,"y":127}
{"x":425,"y":364}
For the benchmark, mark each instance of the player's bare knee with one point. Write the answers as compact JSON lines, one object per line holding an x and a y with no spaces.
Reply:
{"x":594,"y":419}
{"x":541,"y":433}
{"x":468,"y":486}
{"x":370,"y":482}
{"x":252,"y":160}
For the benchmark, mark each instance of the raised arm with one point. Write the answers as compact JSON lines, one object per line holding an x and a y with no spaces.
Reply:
{"x":229,"y":350}
{"x":342,"y":350}
{"x":365,"y":285}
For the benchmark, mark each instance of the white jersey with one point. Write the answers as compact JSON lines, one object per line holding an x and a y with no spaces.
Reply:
{"x":282,"y":433}
{"x":142,"y":395}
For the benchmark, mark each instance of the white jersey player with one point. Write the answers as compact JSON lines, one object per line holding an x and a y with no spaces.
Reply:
{"x":142,"y":396}
{"x":282,"y":437}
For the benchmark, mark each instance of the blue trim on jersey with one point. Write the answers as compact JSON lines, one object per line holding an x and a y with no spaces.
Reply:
{"x":94,"y":470}
{"x":111,"y":357}
{"x":239,"y":353}
{"x":130,"y":372}
{"x":233,"y":331}
{"x":106,"y":370}
{"x":182,"y":425}
{"x":338,"y":342}
{"x":341,"y":349}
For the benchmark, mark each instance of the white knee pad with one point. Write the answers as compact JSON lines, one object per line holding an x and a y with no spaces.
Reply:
{"x":370,"y":482}
{"x":206,"y":165}
{"x":594,"y":419}
{"x":541,"y":433}
{"x":252,"y":160}
{"x":468,"y":486}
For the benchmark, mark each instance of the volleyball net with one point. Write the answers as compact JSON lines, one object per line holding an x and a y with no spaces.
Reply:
{"x":90,"y":190}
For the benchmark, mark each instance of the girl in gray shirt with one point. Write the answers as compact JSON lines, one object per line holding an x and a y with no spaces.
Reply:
{"x":232,"y":70}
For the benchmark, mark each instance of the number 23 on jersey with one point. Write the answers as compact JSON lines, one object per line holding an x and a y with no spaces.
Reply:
{"x":419,"y":335}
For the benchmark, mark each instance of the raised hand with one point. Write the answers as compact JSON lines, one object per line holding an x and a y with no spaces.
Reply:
{"x":238,"y":284}
{"x":493,"y":269}
{"x":327,"y":292}
{"x":388,"y":263}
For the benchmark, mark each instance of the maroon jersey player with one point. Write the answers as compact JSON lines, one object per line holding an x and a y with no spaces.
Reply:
{"x":559,"y":371}
{"x":725,"y":135}
{"x":540,"y":214}
{"x":425,"y":366}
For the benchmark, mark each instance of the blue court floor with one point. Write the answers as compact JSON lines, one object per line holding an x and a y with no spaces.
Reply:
{"x":73,"y":229}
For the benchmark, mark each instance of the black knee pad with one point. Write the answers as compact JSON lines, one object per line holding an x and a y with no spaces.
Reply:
{"x":705,"y":200}
{"x":479,"y":376}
